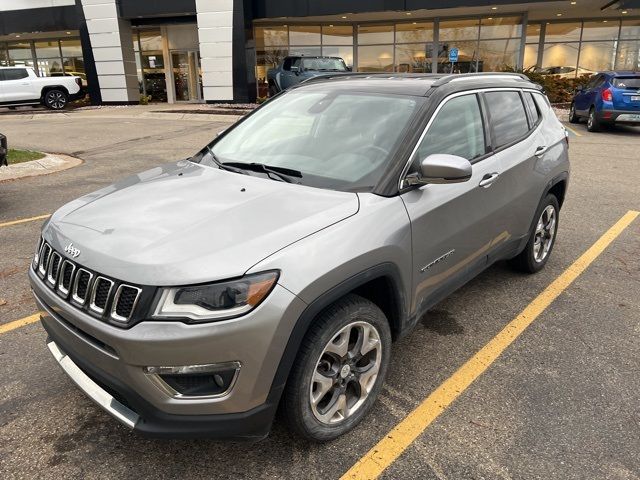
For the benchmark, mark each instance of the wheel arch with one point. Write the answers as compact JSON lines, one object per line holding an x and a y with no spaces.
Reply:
{"x":370,"y":284}
{"x":48,"y":88}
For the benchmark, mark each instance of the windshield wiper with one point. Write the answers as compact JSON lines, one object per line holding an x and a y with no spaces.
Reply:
{"x":281,"y":172}
{"x":224,"y":166}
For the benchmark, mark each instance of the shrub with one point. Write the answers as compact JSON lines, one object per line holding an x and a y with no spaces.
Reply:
{"x":559,"y":90}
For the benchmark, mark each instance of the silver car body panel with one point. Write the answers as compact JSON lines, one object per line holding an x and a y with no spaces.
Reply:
{"x":185,"y":223}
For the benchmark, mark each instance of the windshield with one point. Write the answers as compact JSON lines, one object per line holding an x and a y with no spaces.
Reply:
{"x":322,"y":64}
{"x":335,"y":139}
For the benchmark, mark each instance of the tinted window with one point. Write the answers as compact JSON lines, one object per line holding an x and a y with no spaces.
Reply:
{"x":534,"y":114}
{"x":456,"y":130}
{"x":627,"y":82}
{"x":287,"y":64}
{"x":15,"y":73}
{"x":508,"y":117}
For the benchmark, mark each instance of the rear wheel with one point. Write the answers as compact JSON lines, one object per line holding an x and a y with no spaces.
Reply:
{"x":593,"y":124}
{"x":573,"y":118}
{"x":339,"y":370}
{"x":55,"y":99}
{"x":538,"y":250}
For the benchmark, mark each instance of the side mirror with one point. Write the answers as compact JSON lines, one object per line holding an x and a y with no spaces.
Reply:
{"x":441,"y":168}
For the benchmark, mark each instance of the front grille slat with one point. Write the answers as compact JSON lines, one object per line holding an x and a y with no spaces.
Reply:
{"x":101,"y":296}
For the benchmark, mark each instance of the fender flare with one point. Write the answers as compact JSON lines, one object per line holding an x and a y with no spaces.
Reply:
{"x":46,"y":88}
{"x":313,"y":309}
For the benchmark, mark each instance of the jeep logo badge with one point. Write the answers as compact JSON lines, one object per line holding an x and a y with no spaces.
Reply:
{"x":71,"y":250}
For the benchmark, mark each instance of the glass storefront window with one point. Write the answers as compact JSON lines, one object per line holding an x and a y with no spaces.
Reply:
{"x":152,"y":64}
{"x":467,"y":57}
{"x":501,"y":27}
{"x":304,"y":35}
{"x":20,"y":54}
{"x":560,"y":59}
{"x":414,"y":32}
{"x":630,"y":29}
{"x":530,"y":55}
{"x":375,"y":34}
{"x":628,"y":57}
{"x":75,"y":66}
{"x":459,"y":30}
{"x":498,"y":55}
{"x":71,"y":47}
{"x":603,"y":30}
{"x":533,"y":32}
{"x":563,"y":32}
{"x":337,"y":35}
{"x":307,"y":51}
{"x":375,"y":58}
{"x":345,"y":52}
{"x":47,"y":49}
{"x":413,"y":58}
{"x":596,"y":57}
{"x":271,"y":36}
{"x":4,"y":59}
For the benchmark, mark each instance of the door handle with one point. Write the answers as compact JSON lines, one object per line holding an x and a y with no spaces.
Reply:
{"x":27,"y":83}
{"x":541,"y":150}
{"x":488,"y":179}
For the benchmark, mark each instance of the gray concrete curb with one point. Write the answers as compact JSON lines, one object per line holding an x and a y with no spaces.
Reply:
{"x":51,"y":163}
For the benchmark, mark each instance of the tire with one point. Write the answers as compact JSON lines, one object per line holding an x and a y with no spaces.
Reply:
{"x":573,"y":117}
{"x":342,"y":403}
{"x":593,"y":124}
{"x":531,"y":259}
{"x":55,"y":99}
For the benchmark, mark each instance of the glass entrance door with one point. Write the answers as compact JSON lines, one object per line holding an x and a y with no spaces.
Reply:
{"x":187,"y":75}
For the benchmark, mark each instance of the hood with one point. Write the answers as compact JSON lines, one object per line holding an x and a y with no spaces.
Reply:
{"x":187,"y":223}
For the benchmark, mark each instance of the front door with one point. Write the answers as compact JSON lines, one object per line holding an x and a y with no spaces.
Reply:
{"x":187,"y":76}
{"x":454,"y":227}
{"x":17,"y":85}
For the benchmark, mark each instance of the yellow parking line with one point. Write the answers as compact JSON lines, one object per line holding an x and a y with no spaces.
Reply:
{"x":7,"y":327}
{"x":24,"y":220}
{"x":387,"y":450}
{"x":573,"y":130}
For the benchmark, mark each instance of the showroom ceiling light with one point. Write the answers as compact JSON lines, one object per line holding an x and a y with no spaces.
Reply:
{"x":573,"y":3}
{"x":494,"y":8}
{"x":344,"y":16}
{"x":624,"y":12}
{"x":558,"y":14}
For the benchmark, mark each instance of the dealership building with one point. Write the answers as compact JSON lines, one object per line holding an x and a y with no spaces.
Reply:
{"x":220,"y":50}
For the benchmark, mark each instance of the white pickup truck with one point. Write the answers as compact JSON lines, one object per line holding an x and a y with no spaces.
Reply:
{"x":21,"y":86}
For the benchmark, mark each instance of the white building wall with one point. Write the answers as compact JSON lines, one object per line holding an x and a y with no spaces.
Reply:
{"x":215,"y":33}
{"x":6,"y":5}
{"x":112,"y":45}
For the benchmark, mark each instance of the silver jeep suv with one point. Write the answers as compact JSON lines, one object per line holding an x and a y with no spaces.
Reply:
{"x":277,"y":265}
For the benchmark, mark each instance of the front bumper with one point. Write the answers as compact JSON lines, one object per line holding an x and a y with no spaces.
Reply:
{"x":113,"y":359}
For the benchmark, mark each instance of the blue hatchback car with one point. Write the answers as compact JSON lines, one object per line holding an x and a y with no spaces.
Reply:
{"x":609,"y":98}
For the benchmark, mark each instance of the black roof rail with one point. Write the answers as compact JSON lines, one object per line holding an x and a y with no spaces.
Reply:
{"x":470,"y":76}
{"x":329,"y":76}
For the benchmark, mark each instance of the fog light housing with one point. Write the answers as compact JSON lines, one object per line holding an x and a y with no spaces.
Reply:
{"x":195,"y":381}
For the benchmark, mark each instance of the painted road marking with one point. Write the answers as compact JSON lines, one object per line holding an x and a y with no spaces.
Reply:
{"x":573,"y":130}
{"x":24,"y":220}
{"x":387,"y":450}
{"x":7,"y":327}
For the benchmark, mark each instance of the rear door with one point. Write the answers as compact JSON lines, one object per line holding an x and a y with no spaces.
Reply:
{"x":17,"y":85}
{"x":585,"y":99}
{"x":453,"y":226}
{"x":626,"y":93}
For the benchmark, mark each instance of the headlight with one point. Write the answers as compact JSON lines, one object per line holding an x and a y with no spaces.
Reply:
{"x":216,"y":301}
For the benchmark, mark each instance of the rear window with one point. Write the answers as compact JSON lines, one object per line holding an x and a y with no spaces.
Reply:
{"x":508,"y":117}
{"x":627,"y":82}
{"x":533,"y":109}
{"x":14,"y":73}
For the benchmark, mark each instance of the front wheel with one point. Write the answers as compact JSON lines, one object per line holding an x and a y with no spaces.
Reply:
{"x":538,"y":250}
{"x":339,"y":370}
{"x":55,"y":99}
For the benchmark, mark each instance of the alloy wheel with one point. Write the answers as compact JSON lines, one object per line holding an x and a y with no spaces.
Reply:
{"x":346,"y":372}
{"x":56,"y":100}
{"x":545,"y":233}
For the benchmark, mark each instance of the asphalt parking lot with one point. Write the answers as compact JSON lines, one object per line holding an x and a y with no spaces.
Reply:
{"x":560,"y":401}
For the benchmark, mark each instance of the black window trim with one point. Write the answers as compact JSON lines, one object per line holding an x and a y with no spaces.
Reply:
{"x":532,"y":124}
